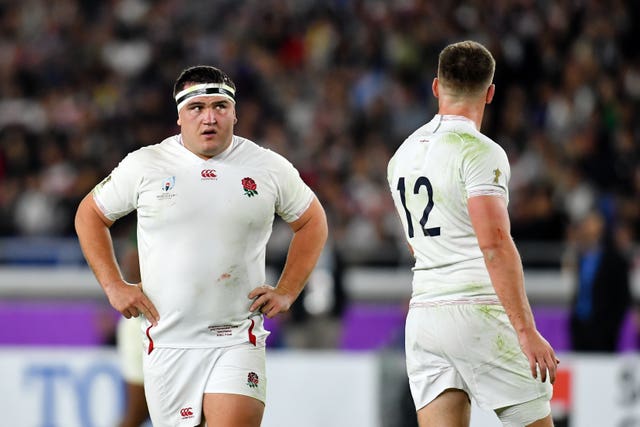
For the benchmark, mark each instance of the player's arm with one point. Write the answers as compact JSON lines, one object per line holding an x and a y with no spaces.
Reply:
{"x":490,"y":220}
{"x":309,"y":236}
{"x":95,"y":240}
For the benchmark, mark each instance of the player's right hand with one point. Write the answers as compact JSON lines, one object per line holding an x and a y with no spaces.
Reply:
{"x":541,"y":356}
{"x":130,"y":301}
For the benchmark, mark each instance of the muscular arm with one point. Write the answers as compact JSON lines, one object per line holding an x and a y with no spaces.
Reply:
{"x":309,"y":236}
{"x":92,"y":228}
{"x":490,"y":220}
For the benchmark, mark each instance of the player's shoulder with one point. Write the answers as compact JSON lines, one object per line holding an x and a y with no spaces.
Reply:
{"x":471,"y":140}
{"x":425,"y":130}
{"x":478,"y":140}
{"x":420,"y":134}
{"x":472,"y":136}
{"x":250,"y":153}
{"x":155,"y":151}
{"x":452,"y":126}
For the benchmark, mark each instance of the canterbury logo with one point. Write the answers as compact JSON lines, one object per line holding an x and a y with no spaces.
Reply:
{"x":208,"y":173}
{"x":186,"y":412}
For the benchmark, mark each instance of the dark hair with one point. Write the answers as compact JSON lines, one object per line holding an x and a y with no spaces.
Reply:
{"x":466,"y":67}
{"x":201,"y":74}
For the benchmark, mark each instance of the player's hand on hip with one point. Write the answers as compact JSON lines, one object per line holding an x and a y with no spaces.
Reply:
{"x":129,"y":300}
{"x":270,"y":301}
{"x":541,"y":356}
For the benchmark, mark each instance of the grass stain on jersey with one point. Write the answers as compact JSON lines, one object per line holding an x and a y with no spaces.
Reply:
{"x":469,"y":146}
{"x":473,"y":288}
{"x":500,"y":343}
{"x":473,"y":146}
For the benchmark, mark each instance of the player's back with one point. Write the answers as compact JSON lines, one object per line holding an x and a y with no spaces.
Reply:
{"x":431,"y":176}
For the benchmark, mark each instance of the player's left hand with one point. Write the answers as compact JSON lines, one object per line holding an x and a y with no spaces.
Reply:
{"x":270,"y":301}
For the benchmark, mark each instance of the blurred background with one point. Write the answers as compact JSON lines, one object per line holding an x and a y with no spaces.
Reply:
{"x":335,"y":86}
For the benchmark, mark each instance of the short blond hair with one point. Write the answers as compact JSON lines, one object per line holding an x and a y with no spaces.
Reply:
{"x":466,"y":68}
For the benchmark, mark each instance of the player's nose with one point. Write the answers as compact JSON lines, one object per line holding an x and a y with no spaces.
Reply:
{"x":209,"y":116}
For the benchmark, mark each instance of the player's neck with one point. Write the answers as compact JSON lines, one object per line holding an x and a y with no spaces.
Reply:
{"x":474,"y":111}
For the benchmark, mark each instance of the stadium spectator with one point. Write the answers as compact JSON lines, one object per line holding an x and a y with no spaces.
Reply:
{"x":563,"y":66}
{"x":602,"y":294}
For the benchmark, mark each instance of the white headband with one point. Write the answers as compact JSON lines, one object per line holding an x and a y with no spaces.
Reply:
{"x":205,"y":89}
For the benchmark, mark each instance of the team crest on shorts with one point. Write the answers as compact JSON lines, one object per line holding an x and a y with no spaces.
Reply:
{"x":252,"y":380}
{"x":249,"y":186}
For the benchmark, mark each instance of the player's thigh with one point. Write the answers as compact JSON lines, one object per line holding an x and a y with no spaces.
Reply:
{"x":429,"y":370}
{"x":174,"y":381}
{"x":232,"y":410}
{"x":535,"y":413}
{"x":236,"y":389}
{"x":486,"y":352}
{"x":544,"y":422}
{"x":240,"y":369}
{"x":451,"y":408}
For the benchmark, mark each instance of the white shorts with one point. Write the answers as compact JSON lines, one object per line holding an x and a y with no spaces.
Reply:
{"x":175,"y":380}
{"x":130,"y":348}
{"x":469,"y":347}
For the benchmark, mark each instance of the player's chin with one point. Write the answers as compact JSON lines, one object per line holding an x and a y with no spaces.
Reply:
{"x":210,"y":148}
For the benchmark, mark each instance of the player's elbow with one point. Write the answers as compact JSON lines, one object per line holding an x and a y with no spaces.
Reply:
{"x":494,"y":241}
{"x":497,"y":250}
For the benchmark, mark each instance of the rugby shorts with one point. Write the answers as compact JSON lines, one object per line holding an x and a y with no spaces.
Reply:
{"x":176,"y":380}
{"x":472,"y":347}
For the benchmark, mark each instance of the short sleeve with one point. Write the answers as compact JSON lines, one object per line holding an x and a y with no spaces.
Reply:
{"x":294,"y":195}
{"x":117,"y":194}
{"x":486,"y":171}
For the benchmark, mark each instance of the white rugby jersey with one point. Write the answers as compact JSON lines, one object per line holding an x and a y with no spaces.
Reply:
{"x":431,"y":176}
{"x":202,"y":230}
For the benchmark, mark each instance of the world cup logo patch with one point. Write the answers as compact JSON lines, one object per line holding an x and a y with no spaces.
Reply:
{"x":168,"y":183}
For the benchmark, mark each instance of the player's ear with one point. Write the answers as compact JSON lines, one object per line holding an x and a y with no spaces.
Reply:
{"x":434,"y":87}
{"x":490,"y":92}
{"x":178,"y":121}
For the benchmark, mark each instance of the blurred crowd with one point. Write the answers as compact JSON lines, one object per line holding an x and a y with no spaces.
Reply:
{"x":335,"y":86}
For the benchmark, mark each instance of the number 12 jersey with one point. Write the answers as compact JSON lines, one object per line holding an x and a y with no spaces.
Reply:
{"x":431,"y":177}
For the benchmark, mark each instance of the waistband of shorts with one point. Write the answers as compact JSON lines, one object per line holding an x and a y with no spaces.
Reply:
{"x":457,"y":301}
